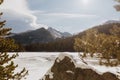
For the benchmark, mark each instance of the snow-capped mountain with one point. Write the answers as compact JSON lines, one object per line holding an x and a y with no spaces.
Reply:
{"x":24,"y":28}
{"x":40,"y":35}
{"x":55,"y":33}
{"x":58,"y":34}
{"x":21,"y":23}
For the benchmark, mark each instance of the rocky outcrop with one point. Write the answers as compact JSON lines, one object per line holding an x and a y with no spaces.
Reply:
{"x":65,"y":69}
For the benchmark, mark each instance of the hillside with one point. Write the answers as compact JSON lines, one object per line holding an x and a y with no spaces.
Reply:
{"x":63,"y":45}
{"x":36,"y":36}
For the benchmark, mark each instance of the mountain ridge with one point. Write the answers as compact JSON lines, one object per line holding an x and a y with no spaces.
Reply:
{"x":67,"y":44}
{"x":40,"y":35}
{"x":58,"y":34}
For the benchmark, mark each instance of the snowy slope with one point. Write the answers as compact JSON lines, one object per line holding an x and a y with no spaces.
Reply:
{"x":55,"y":33}
{"x":93,"y":63}
{"x":58,"y":34}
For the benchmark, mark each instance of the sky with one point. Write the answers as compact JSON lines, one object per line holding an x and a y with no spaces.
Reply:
{"x":64,"y":15}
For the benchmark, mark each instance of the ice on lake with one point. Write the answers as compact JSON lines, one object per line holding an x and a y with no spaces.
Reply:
{"x":36,"y":63}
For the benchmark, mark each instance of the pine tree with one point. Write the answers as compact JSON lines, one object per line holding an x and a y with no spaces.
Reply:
{"x":1,"y":1}
{"x":7,"y":66}
{"x":107,"y":45}
{"x":87,"y":43}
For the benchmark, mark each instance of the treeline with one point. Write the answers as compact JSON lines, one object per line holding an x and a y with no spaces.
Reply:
{"x":60,"y":45}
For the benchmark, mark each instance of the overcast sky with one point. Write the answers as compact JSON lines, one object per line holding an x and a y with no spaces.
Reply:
{"x":65,"y":15}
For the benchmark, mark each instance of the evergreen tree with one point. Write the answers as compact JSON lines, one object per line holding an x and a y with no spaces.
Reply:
{"x":1,"y":1}
{"x":107,"y":45}
{"x":7,"y":66}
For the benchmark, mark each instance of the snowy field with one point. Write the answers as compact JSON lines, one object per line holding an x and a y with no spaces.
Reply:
{"x":39,"y":63}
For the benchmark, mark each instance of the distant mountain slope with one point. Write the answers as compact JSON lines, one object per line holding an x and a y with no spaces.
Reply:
{"x":103,"y":28}
{"x":36,"y":36}
{"x":58,"y":34}
{"x":67,"y":44}
{"x":54,"y":32}
{"x":41,"y":35}
{"x":106,"y":27}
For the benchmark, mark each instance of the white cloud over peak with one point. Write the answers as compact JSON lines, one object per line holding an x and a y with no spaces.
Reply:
{"x":21,"y":7}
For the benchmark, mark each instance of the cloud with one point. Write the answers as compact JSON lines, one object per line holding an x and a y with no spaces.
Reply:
{"x":68,"y":15}
{"x":16,"y":5}
{"x":21,"y":7}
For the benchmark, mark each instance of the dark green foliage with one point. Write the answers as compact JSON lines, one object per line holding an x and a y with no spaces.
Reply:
{"x":7,"y":66}
{"x":8,"y":45}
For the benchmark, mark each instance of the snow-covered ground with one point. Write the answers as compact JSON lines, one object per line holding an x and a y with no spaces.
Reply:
{"x":39,"y":63}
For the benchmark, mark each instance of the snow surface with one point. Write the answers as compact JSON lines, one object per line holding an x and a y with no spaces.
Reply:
{"x":62,"y":56}
{"x":55,"y":33}
{"x":37,"y":63}
{"x":48,"y":73}
{"x":40,"y":64}
{"x":69,"y":71}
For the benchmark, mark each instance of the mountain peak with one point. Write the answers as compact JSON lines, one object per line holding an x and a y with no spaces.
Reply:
{"x":58,"y":34}
{"x":40,"y":35}
{"x":40,"y":29}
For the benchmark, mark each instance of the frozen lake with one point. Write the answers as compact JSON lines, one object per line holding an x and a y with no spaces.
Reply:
{"x":37,"y":63}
